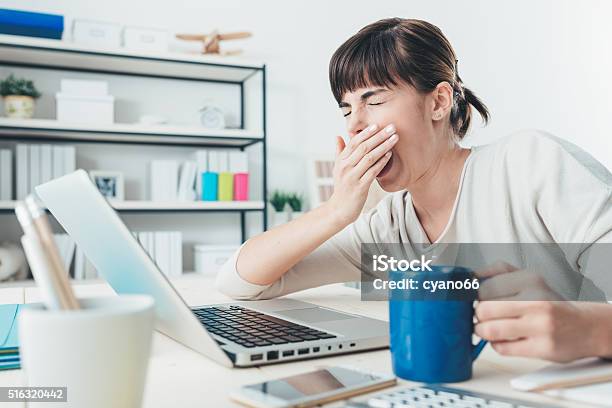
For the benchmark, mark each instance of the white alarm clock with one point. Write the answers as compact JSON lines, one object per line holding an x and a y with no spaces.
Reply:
{"x":212,"y":117}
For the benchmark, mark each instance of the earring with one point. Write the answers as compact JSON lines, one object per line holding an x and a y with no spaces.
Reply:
{"x":437,"y":116}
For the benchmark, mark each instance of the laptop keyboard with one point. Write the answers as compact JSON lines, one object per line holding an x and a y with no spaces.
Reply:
{"x":250,"y":328}
{"x":435,"y":396}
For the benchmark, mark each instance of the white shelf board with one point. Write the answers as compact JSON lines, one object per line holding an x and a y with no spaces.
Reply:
{"x":126,"y":133}
{"x":26,"y":283}
{"x":187,"y":205}
{"x":60,"y":54}
{"x":170,"y":206}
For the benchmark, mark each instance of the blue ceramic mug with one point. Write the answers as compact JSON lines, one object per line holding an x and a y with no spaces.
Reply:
{"x":431,"y":333}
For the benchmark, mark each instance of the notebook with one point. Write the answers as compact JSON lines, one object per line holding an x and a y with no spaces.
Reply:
{"x":9,"y":343}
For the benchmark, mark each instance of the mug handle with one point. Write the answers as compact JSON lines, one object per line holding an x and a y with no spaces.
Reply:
{"x":477,"y":348}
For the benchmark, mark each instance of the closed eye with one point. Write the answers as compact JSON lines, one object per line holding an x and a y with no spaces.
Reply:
{"x":369,"y":104}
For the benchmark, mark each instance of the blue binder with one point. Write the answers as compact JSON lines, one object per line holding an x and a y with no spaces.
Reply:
{"x":17,"y":22}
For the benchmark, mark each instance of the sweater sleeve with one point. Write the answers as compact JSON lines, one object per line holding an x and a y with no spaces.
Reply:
{"x":332,"y":262}
{"x":336,"y":260}
{"x":573,"y":198}
{"x":573,"y":191}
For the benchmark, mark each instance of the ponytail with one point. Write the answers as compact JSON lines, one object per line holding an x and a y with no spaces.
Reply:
{"x":461,"y":113}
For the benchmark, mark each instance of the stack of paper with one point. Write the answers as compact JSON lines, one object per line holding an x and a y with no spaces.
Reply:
{"x":165,"y":249}
{"x":9,"y":345}
{"x":37,"y":164}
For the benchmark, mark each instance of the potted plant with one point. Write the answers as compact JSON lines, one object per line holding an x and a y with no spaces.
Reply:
{"x":278,"y":200}
{"x":296,"y":203}
{"x":19,"y":95}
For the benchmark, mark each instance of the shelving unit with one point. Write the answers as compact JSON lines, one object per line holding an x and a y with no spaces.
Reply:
{"x":248,"y":76}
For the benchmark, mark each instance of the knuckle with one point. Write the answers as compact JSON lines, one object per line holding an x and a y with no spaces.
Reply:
{"x":548,"y":324}
{"x":547,"y":348}
{"x":489,"y":331}
{"x":343,"y":166}
{"x":363,"y":149}
{"x":500,"y":347}
{"x":482,"y":310}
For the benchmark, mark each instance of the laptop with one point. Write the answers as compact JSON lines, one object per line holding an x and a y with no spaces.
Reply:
{"x":241,"y":334}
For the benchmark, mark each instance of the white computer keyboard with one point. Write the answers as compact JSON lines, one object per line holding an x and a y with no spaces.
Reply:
{"x":434,"y":396}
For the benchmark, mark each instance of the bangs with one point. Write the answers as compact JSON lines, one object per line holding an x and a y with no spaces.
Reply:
{"x":368,"y":59}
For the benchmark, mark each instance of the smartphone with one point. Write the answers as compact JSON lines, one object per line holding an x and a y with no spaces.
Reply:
{"x":312,"y":388}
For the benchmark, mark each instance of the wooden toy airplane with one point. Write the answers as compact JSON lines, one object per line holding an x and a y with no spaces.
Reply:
{"x":211,"y":42}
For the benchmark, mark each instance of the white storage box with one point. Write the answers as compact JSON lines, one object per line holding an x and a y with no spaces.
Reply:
{"x":210,"y":258}
{"x":84,"y":87}
{"x":145,"y":39}
{"x":96,"y":33}
{"x":98,"y":110}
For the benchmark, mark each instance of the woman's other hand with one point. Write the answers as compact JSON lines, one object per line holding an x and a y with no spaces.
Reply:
{"x":356,"y":166}
{"x":536,"y":323}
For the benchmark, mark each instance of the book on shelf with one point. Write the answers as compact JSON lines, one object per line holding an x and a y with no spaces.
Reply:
{"x":39,"y":163}
{"x":46,"y":163}
{"x":23,"y":169}
{"x":66,"y":247}
{"x":35,"y":167}
{"x":171,"y":180}
{"x":201,"y":160}
{"x":187,"y":178}
{"x":165,"y":248}
{"x":164,"y":180}
{"x":6,"y":174}
{"x":83,"y":268}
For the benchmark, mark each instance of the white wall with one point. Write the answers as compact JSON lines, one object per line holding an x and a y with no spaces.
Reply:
{"x":537,"y":64}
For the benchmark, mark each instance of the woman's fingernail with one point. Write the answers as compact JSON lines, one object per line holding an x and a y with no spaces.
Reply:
{"x":390,"y":129}
{"x":372,"y":127}
{"x":394,"y":138}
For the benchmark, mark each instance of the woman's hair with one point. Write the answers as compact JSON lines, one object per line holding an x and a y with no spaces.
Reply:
{"x":403,"y":50}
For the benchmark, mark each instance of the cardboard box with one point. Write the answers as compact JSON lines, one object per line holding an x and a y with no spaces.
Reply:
{"x":96,"y":33}
{"x":99,"y":110}
{"x":208,"y":259}
{"x":145,"y":39}
{"x":84,"y":87}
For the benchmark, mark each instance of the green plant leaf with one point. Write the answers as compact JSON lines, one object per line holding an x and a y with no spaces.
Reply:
{"x":18,"y":86}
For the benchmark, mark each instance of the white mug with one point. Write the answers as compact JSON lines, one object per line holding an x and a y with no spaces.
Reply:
{"x":100,"y":352}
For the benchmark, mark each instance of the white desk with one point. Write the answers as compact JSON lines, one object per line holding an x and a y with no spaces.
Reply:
{"x":179,"y":377}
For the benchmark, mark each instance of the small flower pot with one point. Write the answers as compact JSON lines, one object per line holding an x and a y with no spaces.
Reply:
{"x":280,"y":217}
{"x":296,"y":214}
{"x":18,"y":106}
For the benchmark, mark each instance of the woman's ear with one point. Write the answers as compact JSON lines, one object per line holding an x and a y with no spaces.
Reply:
{"x":442,"y":97}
